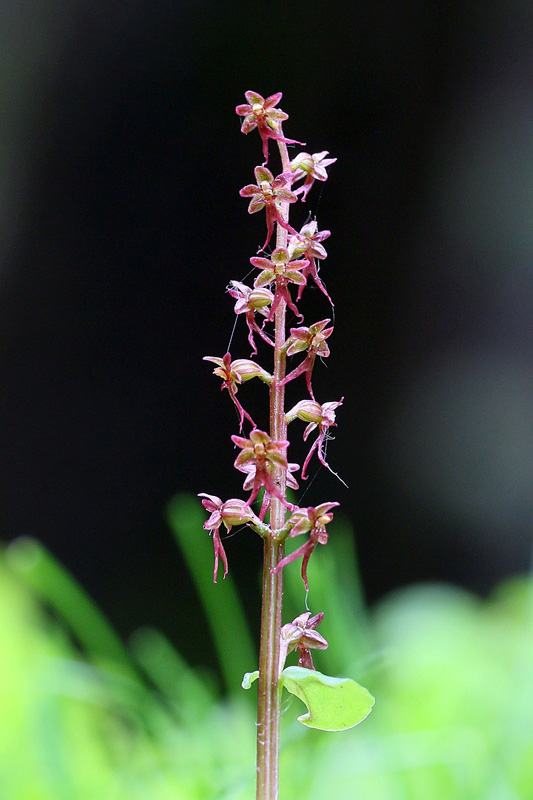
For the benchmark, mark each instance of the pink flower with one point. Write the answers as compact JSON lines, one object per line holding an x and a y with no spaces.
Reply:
{"x":267,"y":456}
{"x":232,"y":512}
{"x":318,"y":416}
{"x":269,"y":193}
{"x":250,"y":301}
{"x":307,"y":243}
{"x":301,"y":635}
{"x":263,"y":115}
{"x":281,"y":271}
{"x":312,"y":339}
{"x":312,"y":168}
{"x":308,"y":520}
{"x":234,"y":373}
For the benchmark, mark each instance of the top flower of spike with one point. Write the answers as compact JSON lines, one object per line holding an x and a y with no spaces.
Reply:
{"x":262,"y":114}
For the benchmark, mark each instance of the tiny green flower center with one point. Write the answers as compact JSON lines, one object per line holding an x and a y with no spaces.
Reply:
{"x":258,"y":110}
{"x":259,"y":450}
{"x":266,"y":188}
{"x":307,"y":164}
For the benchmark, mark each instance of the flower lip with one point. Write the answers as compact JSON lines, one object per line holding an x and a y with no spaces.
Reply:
{"x":267,"y":455}
{"x":310,"y":520}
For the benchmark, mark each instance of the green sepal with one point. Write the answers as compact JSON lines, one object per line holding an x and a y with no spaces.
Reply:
{"x":249,"y":678}
{"x":333,"y":704}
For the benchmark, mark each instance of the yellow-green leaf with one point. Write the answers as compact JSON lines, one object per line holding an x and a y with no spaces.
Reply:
{"x":333,"y":704}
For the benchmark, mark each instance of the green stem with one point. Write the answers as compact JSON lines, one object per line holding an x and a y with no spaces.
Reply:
{"x":269,"y":694}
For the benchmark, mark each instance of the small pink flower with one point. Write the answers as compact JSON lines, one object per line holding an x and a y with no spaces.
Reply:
{"x":312,"y":168}
{"x":266,"y":455}
{"x":232,"y":512}
{"x":308,"y":520}
{"x":234,"y":373}
{"x":307,"y":243}
{"x":301,"y":635}
{"x":279,"y":270}
{"x":250,"y":301}
{"x":318,"y":416}
{"x":269,"y":193}
{"x":312,"y":339}
{"x":263,"y":115}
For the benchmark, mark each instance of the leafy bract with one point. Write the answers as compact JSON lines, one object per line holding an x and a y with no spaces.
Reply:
{"x":333,"y":704}
{"x":249,"y":678}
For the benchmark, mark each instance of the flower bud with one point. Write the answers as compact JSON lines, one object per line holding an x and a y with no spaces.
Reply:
{"x":259,"y":298}
{"x":247,"y":370}
{"x":235,"y":512}
{"x":307,"y":411}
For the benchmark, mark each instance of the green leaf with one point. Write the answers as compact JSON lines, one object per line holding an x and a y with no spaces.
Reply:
{"x":249,"y":678}
{"x":333,"y":704}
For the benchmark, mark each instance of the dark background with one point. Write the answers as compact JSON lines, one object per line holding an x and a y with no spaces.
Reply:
{"x":121,"y":225}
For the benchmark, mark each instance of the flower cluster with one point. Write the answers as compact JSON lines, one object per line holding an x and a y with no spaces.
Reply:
{"x":279,"y":281}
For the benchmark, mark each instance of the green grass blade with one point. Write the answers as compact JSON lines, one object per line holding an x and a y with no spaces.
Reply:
{"x":54,"y":585}
{"x":190,"y":696}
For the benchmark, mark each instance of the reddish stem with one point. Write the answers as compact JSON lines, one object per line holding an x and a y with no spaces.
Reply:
{"x":269,"y":692}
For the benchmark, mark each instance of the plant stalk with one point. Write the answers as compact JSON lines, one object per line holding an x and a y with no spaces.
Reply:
{"x":269,"y":692}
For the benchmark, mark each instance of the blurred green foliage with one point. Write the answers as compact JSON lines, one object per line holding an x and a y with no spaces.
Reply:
{"x":85,"y":717}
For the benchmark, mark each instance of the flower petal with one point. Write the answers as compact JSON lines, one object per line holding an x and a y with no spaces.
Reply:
{"x":249,"y":189}
{"x":256,"y":204}
{"x":273,"y":100}
{"x":261,"y":263}
{"x":263,"y":174}
{"x":211,"y":500}
{"x":248,"y":124}
{"x":278,"y":115}
{"x":254,"y":98}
